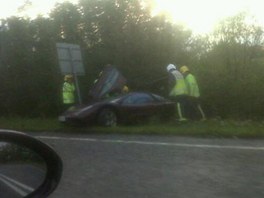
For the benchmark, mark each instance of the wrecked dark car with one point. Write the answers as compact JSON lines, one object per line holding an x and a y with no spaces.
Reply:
{"x":127,"y":108}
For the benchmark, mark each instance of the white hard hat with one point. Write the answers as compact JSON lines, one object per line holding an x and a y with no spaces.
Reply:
{"x":170,"y":66}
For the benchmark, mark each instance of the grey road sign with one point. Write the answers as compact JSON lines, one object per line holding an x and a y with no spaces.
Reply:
{"x":70,"y":59}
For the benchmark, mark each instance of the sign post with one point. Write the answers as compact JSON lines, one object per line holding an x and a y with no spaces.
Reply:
{"x":70,"y":61}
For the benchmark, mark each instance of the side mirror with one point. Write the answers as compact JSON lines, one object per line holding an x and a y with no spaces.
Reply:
{"x":28,"y":167}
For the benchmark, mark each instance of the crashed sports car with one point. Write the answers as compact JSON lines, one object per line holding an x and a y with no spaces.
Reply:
{"x":112,"y":106}
{"x":126,"y":108}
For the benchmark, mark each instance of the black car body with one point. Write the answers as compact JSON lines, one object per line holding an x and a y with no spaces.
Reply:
{"x":127,"y":108}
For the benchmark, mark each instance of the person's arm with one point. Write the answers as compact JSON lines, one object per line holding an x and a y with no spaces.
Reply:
{"x":172,"y":81}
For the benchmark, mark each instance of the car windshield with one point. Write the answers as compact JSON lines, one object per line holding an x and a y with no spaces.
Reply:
{"x":138,"y":98}
{"x":141,"y":98}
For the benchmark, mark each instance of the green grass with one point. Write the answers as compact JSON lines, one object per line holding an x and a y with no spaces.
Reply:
{"x":26,"y":124}
{"x":210,"y":128}
{"x":227,"y":129}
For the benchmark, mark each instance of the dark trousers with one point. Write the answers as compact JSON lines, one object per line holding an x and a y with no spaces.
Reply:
{"x":181,"y":102}
{"x":193,"y":108}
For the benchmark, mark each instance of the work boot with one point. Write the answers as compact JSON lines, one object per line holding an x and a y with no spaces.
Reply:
{"x":182,"y":120}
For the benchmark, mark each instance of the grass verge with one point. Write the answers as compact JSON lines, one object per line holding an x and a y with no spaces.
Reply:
{"x":210,"y":128}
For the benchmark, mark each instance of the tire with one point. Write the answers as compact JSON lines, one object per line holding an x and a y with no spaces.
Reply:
{"x":107,"y":117}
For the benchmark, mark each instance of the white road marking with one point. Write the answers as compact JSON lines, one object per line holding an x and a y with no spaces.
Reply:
{"x":156,"y":143}
{"x":16,"y":185}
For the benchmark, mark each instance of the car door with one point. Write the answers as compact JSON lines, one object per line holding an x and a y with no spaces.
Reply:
{"x":163,"y":107}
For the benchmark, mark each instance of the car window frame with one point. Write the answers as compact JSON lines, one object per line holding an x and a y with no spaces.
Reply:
{"x":154,"y":100}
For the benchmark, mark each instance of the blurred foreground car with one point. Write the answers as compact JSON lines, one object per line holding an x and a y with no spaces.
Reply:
{"x":127,"y":108}
{"x":28,"y":167}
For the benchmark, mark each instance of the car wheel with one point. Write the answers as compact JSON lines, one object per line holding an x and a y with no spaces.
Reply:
{"x":107,"y":117}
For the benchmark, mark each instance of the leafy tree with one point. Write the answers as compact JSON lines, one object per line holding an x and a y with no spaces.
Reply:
{"x":230,"y":67}
{"x":126,"y":35}
{"x":228,"y":63}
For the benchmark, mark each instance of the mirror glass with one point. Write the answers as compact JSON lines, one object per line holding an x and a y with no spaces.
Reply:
{"x":21,"y":170}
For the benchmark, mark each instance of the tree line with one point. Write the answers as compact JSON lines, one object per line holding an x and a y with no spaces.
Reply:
{"x":228,"y":63}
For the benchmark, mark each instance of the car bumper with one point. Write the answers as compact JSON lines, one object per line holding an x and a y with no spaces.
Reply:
{"x":62,"y":118}
{"x":76,"y":121}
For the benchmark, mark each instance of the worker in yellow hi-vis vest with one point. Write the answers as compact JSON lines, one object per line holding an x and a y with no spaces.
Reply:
{"x":178,"y":90}
{"x":68,"y":92}
{"x":193,"y":94}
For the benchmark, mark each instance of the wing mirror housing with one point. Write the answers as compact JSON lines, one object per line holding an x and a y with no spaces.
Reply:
{"x":28,"y":167}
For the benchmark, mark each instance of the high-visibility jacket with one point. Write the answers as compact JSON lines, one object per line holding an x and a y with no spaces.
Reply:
{"x":180,"y":87}
{"x":68,"y":93}
{"x":192,"y":86}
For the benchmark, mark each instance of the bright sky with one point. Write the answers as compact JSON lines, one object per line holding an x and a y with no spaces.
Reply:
{"x":202,"y":15}
{"x":198,"y":15}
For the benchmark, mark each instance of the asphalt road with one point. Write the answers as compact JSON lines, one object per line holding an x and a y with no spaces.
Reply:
{"x":114,"y":166}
